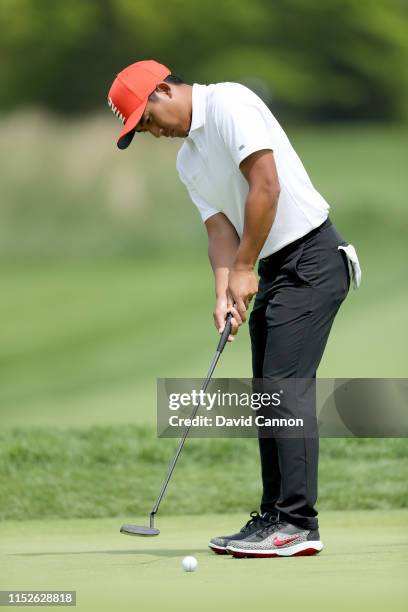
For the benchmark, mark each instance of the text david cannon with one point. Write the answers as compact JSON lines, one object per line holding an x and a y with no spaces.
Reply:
{"x":222,"y":421}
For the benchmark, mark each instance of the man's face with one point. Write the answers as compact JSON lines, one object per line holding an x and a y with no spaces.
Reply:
{"x":165,"y":114}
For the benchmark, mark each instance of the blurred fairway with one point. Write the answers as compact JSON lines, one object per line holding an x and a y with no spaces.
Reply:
{"x":363,"y":565}
{"x":105,"y":279}
{"x":85,"y":343}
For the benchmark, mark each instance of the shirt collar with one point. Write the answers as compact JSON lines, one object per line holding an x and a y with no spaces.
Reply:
{"x":198,"y":103}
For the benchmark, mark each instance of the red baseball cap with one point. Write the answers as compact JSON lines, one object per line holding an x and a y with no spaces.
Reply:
{"x":129,"y":94}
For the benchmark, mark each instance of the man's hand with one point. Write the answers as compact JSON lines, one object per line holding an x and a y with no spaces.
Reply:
{"x":242,"y":286}
{"x":223,"y":305}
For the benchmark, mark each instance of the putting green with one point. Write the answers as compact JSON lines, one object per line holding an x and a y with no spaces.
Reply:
{"x":363,"y":565}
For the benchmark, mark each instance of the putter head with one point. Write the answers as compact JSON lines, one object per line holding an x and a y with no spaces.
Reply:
{"x":138,"y":530}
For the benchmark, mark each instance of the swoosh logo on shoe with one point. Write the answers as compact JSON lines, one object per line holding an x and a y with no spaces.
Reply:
{"x":278,"y":542}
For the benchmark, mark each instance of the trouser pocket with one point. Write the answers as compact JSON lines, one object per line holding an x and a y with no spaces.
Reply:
{"x":303,"y":265}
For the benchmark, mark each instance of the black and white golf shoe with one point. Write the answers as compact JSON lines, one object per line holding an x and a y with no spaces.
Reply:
{"x":278,"y":540}
{"x":255,"y":523}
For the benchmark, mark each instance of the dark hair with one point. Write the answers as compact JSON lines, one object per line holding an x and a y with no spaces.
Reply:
{"x":173,"y":79}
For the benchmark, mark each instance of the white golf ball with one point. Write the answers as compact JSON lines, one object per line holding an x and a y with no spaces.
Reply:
{"x":189,"y":564}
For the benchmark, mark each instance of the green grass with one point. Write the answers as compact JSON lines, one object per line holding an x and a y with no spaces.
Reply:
{"x":106,"y":287}
{"x":113,"y":471}
{"x":362,"y":567}
{"x":105,"y":280}
{"x":83,"y":344}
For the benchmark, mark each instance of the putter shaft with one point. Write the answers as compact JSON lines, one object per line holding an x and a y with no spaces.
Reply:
{"x":150,"y":531}
{"x":220,"y":348}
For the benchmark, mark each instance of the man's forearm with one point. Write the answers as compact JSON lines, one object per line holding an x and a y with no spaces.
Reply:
{"x":260,"y":212}
{"x":222,"y":250}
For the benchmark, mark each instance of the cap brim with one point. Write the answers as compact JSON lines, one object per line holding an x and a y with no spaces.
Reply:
{"x":126,"y":135}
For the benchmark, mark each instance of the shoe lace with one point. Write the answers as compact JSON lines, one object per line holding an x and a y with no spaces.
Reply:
{"x":273,"y":524}
{"x":255,"y":518}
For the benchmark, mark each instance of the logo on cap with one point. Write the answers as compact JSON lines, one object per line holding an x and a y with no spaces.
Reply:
{"x":115,"y":110}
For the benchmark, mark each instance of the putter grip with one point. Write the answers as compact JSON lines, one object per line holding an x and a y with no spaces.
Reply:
{"x":225,"y":334}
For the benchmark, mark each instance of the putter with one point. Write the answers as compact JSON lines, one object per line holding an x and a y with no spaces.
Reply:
{"x":138,"y":530}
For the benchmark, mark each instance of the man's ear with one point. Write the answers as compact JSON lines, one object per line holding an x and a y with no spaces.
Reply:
{"x":164,"y":88}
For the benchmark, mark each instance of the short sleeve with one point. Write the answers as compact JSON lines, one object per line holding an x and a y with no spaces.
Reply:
{"x":203,"y":207}
{"x":206,"y":211}
{"x":243,"y":128}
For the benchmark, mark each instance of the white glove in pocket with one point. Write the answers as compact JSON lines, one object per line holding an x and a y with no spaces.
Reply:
{"x":353,"y":264}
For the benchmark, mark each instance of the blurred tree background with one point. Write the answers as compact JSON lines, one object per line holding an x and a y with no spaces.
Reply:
{"x":317,"y":60}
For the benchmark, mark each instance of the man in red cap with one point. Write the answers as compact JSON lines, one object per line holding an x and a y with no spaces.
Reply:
{"x":131,"y":95}
{"x":258,"y":204}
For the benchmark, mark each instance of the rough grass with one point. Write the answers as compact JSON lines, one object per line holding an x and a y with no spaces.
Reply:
{"x":111,"y":471}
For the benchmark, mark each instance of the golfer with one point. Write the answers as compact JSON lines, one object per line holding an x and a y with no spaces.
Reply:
{"x":258,"y":205}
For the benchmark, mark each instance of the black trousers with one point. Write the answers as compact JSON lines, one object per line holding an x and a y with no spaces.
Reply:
{"x":301,"y":288}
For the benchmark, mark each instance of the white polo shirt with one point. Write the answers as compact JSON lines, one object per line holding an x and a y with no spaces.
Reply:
{"x":229,"y":122}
